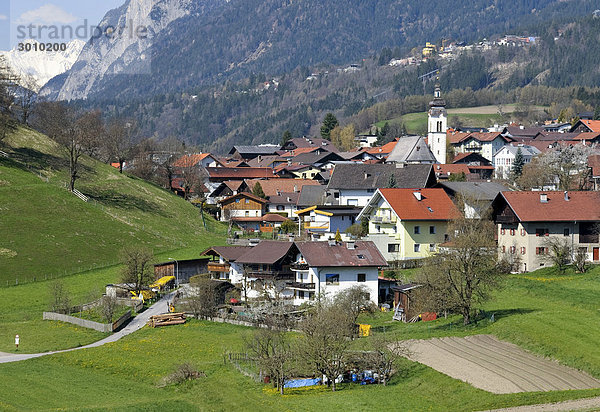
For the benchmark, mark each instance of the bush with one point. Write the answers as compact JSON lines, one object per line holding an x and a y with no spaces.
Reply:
{"x":184,"y":372}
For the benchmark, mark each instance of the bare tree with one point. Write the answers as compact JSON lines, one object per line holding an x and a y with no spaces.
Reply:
{"x":26,"y":97}
{"x":558,"y":252}
{"x":382,"y":356}
{"x":108,"y":307}
{"x":353,"y":301}
{"x":60,"y":299}
{"x":580,"y":260}
{"x":137,"y":267}
{"x":325,"y":341}
{"x":203,"y":298}
{"x":118,"y":140}
{"x":462,"y":274}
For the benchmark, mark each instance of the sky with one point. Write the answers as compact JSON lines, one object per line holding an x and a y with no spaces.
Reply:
{"x":17,"y":15}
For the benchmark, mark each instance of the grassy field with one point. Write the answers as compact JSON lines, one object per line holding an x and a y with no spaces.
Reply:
{"x":48,"y":232}
{"x":482,"y":116}
{"x":550,"y":314}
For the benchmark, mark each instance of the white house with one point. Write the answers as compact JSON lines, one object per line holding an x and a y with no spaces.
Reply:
{"x":329,"y":268}
{"x":484,"y":143}
{"x":505,"y":157}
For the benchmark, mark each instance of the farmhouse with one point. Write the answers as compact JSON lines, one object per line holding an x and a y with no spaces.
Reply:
{"x":527,"y":220}
{"x":329,"y":268}
{"x":242,"y":205}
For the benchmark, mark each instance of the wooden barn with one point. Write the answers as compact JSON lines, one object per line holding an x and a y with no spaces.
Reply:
{"x":183,"y":270}
{"x":404,"y":296}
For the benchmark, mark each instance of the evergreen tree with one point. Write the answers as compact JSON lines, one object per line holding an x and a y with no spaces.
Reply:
{"x":517,"y":167}
{"x":287,"y":136}
{"x":257,"y":190}
{"x":329,"y":123}
{"x":392,"y":181}
{"x":597,"y":113}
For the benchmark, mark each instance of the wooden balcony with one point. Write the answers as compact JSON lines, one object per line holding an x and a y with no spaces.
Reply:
{"x":218,"y":267}
{"x":300,"y":266}
{"x":301,"y":286}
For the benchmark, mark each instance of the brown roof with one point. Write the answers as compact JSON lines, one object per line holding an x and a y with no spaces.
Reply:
{"x":237,"y":173}
{"x":455,"y":138}
{"x":321,"y":254}
{"x":190,"y":160}
{"x":244,"y":194}
{"x":266,"y":252}
{"x":269,"y":217}
{"x":449,"y":169}
{"x":271,"y":187}
{"x":581,"y":206}
{"x":435,"y":204}
{"x":230,"y":253}
{"x":594,"y":163}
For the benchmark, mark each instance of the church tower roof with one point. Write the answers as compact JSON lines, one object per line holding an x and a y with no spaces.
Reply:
{"x":437,"y":98}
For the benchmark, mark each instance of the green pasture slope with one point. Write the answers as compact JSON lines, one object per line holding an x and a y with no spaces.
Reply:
{"x":47,"y":232}
{"x":550,"y":314}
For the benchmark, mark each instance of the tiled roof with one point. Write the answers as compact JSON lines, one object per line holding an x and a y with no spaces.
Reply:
{"x":255,"y":150}
{"x":245,"y":195}
{"x":475,"y":190}
{"x":238,"y":173}
{"x":581,"y":206}
{"x":271,"y":187}
{"x":372,"y":176}
{"x":230,"y":253}
{"x":321,"y":254}
{"x":593,"y":125}
{"x":594,"y":163}
{"x":284,"y":199}
{"x":266,"y":252}
{"x":382,"y":150}
{"x":456,"y":138}
{"x":269,"y":217}
{"x":448,"y":169}
{"x":190,"y":160}
{"x":435,"y":204}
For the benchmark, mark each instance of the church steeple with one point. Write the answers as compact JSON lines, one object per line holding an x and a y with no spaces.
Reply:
{"x":437,"y":125}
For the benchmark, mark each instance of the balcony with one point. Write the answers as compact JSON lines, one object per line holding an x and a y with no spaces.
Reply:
{"x":218,"y":267}
{"x":301,"y":286}
{"x":299,"y":266}
{"x":384,"y":219}
{"x":270,"y":274}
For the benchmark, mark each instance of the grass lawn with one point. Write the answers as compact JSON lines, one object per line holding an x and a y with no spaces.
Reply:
{"x":48,"y":232}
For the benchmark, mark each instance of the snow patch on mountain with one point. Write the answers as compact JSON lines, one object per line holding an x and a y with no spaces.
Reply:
{"x":36,"y":67}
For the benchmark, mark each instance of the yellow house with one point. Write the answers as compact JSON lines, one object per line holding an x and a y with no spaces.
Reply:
{"x":408,"y":224}
{"x":429,"y":49}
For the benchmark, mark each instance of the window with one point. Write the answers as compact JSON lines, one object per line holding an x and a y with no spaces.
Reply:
{"x":352,"y":202}
{"x":512,"y":232}
{"x":417,"y":230}
{"x":300,"y":294}
{"x":378,"y":228}
{"x":237,"y":200}
{"x":432,"y":230}
{"x":247,"y":201}
{"x":513,"y":249}
{"x":280,"y":207}
{"x":523,"y":232}
{"x":370,"y":190}
{"x":361,"y":277}
{"x":503,"y":231}
{"x":523,"y":250}
{"x":503,"y":249}
{"x":432,"y":247}
{"x":393,"y":247}
{"x":541,"y":250}
{"x":566,"y":231}
{"x":542,"y":232}
{"x":332,"y":279}
{"x":247,"y":213}
{"x":417,"y":247}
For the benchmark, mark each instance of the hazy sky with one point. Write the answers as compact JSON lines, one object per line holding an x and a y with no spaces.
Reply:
{"x":15,"y":14}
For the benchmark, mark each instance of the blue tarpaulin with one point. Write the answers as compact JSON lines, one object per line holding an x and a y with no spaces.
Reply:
{"x":298,"y":383}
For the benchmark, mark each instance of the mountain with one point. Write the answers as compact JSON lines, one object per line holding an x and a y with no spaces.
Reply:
{"x":195,"y":43}
{"x":41,"y":66}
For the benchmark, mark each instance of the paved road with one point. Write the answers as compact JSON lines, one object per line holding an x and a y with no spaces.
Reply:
{"x":136,"y":323}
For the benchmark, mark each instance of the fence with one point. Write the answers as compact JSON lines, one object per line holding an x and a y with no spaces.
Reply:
{"x":239,"y":358}
{"x":100,"y":327}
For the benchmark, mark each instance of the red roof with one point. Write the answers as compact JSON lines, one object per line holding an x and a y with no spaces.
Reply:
{"x":587,"y":136}
{"x":300,"y":150}
{"x":269,"y":217}
{"x":385,"y":149}
{"x":435,"y":204}
{"x":190,"y":160}
{"x":593,"y":125}
{"x":244,"y":194}
{"x":581,"y":206}
{"x":322,"y":254}
{"x":594,"y":163}
{"x":271,"y":187}
{"x":449,"y":169}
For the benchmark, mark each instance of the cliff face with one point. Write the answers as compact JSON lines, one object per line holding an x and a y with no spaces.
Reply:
{"x":123,"y":51}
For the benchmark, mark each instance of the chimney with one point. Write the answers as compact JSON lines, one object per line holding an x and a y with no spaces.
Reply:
{"x":418,"y":196}
{"x":543,"y":198}
{"x":351,"y":245}
{"x":259,"y":158}
{"x":566,"y":196}
{"x":367,"y":175}
{"x":295,"y":188}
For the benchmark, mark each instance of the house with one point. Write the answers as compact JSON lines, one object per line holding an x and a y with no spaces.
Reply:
{"x":267,"y":270}
{"x":381,"y":152}
{"x":315,"y":195}
{"x":447,"y":171}
{"x":226,"y":189}
{"x":242,"y":205}
{"x":183,"y":270}
{"x":267,"y":223}
{"x":585,"y":125}
{"x":328,"y":268}
{"x":523,"y":134}
{"x":283,"y":203}
{"x":366,"y":140}
{"x":526,"y":219}
{"x":505,"y":158}
{"x":250,"y":152}
{"x":222,"y":264}
{"x":300,"y":142}
{"x":297,"y":171}
{"x":266,"y":161}
{"x":408,"y":224}
{"x":474,"y":199}
{"x":317,"y":158}
{"x":274,"y":187}
{"x":411,"y":150}
{"x":354,"y":184}
{"x":479,"y":167}
{"x":486,"y":144}
{"x":200,"y":160}
{"x":594,"y":165}
{"x":323,"y":222}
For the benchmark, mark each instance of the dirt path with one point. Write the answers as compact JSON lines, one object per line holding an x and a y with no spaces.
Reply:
{"x":136,"y":324}
{"x":497,"y":366}
{"x":575,"y":405}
